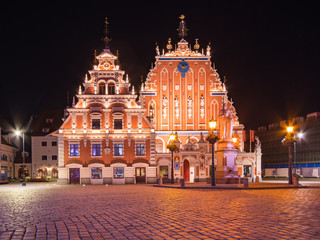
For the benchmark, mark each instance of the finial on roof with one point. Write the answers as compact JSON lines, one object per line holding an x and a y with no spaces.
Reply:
{"x":182,"y":30}
{"x":196,"y":45}
{"x":106,"y":38}
{"x":95,"y":61}
{"x":169,"y":46}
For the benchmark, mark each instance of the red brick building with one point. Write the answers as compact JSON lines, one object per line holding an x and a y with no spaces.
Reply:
{"x":110,"y":138}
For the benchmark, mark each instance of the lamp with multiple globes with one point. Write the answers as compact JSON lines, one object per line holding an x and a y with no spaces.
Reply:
{"x":212,"y":139}
{"x":172,"y":147}
{"x":288,"y":141}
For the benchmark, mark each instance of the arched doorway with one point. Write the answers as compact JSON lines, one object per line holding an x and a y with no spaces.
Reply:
{"x":186,"y":170}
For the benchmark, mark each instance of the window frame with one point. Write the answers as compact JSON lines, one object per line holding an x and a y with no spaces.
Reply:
{"x":118,"y":147}
{"x":72,"y":147}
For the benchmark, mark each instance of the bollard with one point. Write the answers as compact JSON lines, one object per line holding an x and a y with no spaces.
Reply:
{"x":182,"y":182}
{"x":295,"y":181}
{"x":160,"y":181}
{"x":245,"y":182}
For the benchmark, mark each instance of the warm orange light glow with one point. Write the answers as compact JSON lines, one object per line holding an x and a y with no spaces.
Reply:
{"x":212,"y":124}
{"x":234,"y":139}
{"x":172,"y":137}
{"x":289,"y":129}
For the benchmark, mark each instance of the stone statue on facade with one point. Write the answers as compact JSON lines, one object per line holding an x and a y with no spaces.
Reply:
{"x":164,"y":103}
{"x":226,"y":123}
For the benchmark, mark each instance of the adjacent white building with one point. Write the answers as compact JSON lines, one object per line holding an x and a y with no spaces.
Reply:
{"x":8,"y":152}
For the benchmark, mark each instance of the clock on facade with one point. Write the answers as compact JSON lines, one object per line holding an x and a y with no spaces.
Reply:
{"x":183,"y":67}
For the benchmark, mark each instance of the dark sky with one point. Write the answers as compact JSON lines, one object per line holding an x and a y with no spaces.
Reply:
{"x":268,"y":51}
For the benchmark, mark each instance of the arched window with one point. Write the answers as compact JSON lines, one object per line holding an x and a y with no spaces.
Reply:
{"x":151,"y":112}
{"x":111,"y":88}
{"x":102,"y":88}
{"x":159,"y":145}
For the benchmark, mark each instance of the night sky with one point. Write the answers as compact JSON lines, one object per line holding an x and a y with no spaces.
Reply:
{"x":268,"y":51}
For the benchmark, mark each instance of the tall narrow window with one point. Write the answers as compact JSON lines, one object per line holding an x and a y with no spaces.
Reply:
{"x":102,"y":88}
{"x":74,"y":150}
{"x":140,"y":149}
{"x":96,"y":149}
{"x":118,"y":149}
{"x":111,"y":88}
{"x":117,"y":123}
{"x":95,"y":123}
{"x":151,"y":112}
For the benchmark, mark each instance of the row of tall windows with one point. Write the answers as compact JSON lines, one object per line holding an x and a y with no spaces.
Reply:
{"x":96,"y":124}
{"x":118,"y":150}
{"x":111,"y":88}
{"x":96,"y":172}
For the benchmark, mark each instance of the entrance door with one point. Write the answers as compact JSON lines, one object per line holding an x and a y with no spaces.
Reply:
{"x":186,"y":171}
{"x":140,"y":175}
{"x":74,"y":175}
{"x":247,"y":170}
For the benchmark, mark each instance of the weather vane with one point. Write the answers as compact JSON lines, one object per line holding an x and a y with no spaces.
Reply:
{"x":182,"y":30}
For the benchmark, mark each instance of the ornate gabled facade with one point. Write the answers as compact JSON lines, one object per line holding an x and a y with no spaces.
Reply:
{"x":106,"y":132}
{"x":106,"y":137}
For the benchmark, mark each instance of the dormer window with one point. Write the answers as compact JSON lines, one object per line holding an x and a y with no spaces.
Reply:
{"x":111,"y":88}
{"x":102,"y":88}
{"x":49,"y":120}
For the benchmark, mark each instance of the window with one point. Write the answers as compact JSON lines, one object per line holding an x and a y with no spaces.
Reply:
{"x":44,"y":157}
{"x":49,"y":120}
{"x":102,"y":88}
{"x":111,"y":88}
{"x":95,"y":123}
{"x":4,"y":158}
{"x":117,"y":123}
{"x":74,"y":149}
{"x":45,"y":130}
{"x":118,"y":150}
{"x":96,"y":149}
{"x":163,"y":171}
{"x":54,"y":157}
{"x":43,"y":144}
{"x":54,"y":144}
{"x":140,"y":149}
{"x":118,"y":172}
{"x":96,"y":173}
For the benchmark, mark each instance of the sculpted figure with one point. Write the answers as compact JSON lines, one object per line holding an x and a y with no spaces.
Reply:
{"x":226,"y":123}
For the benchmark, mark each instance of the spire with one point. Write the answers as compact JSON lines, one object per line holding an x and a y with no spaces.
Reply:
{"x":182,"y":30}
{"x":106,"y":38}
{"x":95,"y":61}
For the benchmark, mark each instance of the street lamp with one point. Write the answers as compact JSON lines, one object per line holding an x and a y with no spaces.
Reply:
{"x":289,"y":139}
{"x":172,"y":147}
{"x":212,"y":139}
{"x":18,"y":133}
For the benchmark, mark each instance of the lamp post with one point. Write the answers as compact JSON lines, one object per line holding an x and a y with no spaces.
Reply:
{"x":288,"y":141}
{"x":172,"y":147}
{"x":212,"y":139}
{"x":23,"y":159}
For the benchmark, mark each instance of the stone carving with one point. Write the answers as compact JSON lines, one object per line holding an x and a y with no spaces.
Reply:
{"x":164,"y":108}
{"x":189,"y":107}
{"x":257,"y":147}
{"x":226,"y":123}
{"x":202,"y":106}
{"x":176,"y":106}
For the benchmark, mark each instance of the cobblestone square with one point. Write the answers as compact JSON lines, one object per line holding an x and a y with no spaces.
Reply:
{"x":50,"y":211}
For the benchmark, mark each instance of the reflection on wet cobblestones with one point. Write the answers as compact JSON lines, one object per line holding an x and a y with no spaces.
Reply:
{"x":49,"y":211}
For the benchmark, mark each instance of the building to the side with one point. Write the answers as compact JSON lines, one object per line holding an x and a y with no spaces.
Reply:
{"x":44,"y":145}
{"x":306,"y":151}
{"x":8,"y":152}
{"x":110,"y":138}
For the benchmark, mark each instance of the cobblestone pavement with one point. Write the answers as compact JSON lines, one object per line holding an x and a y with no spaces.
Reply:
{"x":49,"y":211}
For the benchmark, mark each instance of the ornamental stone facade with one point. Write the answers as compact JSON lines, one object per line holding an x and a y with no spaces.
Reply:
{"x":110,"y":138}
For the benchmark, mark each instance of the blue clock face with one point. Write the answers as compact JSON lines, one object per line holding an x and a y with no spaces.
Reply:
{"x":183,"y":67}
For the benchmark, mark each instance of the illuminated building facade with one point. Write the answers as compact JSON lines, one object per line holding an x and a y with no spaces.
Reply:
{"x":306,"y":151}
{"x":109,"y":137}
